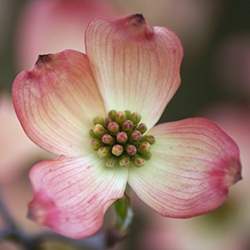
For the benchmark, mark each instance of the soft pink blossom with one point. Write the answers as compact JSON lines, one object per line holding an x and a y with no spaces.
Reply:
{"x":51,"y":26}
{"x":17,"y":153}
{"x":16,"y":195}
{"x":16,"y":148}
{"x":128,"y":65}
{"x":213,"y":232}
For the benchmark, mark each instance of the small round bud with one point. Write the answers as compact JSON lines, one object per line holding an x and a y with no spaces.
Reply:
{"x":119,"y":139}
{"x":124,"y":161}
{"x":111,"y":162}
{"x":149,"y":138}
{"x":122,"y":137}
{"x":112,"y":114}
{"x":131,"y":150}
{"x":135,"y":117}
{"x":117,"y":150}
{"x":120,"y":117}
{"x":128,"y":125}
{"x":98,"y":120}
{"x":128,"y":114}
{"x":113,"y":127}
{"x":142,"y":128}
{"x":103,"y":152}
{"x":144,"y":147}
{"x":96,"y":144}
{"x":107,"y":139}
{"x":99,"y":130}
{"x":136,"y":135}
{"x":138,"y":161}
{"x":146,"y":155}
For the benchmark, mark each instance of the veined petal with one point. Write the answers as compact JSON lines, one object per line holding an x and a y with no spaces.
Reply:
{"x":72,"y":194}
{"x":193,"y":165}
{"x":56,"y":101}
{"x":136,"y":66}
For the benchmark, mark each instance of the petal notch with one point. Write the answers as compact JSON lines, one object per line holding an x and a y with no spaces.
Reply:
{"x":136,"y":66}
{"x":56,"y":102}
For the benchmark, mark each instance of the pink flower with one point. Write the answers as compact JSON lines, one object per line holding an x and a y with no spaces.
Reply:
{"x":16,"y":152}
{"x":51,"y":26}
{"x":13,"y":139}
{"x":180,"y":169}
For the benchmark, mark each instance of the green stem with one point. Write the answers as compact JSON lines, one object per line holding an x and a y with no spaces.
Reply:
{"x":124,"y":217}
{"x":124,"y":214}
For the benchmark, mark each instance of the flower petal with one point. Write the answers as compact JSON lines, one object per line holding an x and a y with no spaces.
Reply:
{"x":193,"y":165}
{"x":136,"y":66}
{"x":56,"y":101}
{"x":72,"y":194}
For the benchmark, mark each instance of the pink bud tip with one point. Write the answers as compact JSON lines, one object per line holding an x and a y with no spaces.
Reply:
{"x":107,"y":139}
{"x":121,"y":137}
{"x":117,"y":150}
{"x":136,"y":135}
{"x":131,"y":150}
{"x":113,"y":127}
{"x":127,"y":125}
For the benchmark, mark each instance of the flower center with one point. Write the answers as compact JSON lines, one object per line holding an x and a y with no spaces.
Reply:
{"x":121,"y":139}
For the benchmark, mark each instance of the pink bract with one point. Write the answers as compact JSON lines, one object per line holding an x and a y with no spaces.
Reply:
{"x":49,"y":26}
{"x":128,"y":65}
{"x":227,"y":228}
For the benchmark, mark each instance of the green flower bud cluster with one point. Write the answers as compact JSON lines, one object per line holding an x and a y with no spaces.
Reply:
{"x":120,"y":139}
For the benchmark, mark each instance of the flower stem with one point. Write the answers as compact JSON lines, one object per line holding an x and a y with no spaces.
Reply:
{"x":124,"y":217}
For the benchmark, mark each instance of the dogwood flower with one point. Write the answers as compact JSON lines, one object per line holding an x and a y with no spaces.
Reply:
{"x":97,"y":112}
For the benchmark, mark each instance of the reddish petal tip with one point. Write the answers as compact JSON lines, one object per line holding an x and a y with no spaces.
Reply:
{"x":194,"y":162}
{"x":42,"y":209}
{"x":226,"y":174}
{"x":233,"y":174}
{"x":137,"y":19}
{"x":135,"y":26}
{"x":44,"y":59}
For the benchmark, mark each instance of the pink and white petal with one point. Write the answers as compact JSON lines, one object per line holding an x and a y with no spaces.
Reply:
{"x":136,"y":66}
{"x":56,"y":101}
{"x":193,"y":165}
{"x":72,"y":194}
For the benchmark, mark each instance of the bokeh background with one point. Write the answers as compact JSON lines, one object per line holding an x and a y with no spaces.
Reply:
{"x":215,"y":83}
